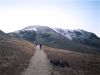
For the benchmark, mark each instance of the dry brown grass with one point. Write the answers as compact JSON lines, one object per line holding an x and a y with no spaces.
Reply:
{"x":73,"y":63}
{"x":14,"y":55}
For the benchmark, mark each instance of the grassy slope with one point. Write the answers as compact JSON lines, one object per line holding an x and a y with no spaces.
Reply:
{"x":73,"y":63}
{"x":14,"y":55}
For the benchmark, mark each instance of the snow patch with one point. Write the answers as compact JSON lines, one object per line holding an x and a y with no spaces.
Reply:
{"x":30,"y":29}
{"x":64,"y":32}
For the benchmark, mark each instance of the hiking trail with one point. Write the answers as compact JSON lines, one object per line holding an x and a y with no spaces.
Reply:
{"x":39,"y":64}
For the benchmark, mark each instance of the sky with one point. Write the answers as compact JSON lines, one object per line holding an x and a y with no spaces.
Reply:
{"x":67,"y":14}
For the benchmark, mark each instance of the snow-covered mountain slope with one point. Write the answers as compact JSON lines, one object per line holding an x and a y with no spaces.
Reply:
{"x":80,"y":36}
{"x":30,"y":28}
{"x":64,"y":32}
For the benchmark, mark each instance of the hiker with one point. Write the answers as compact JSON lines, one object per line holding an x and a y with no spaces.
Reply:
{"x":36,"y":44}
{"x":40,"y":46}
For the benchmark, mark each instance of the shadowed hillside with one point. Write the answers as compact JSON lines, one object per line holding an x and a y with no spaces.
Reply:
{"x":14,"y":55}
{"x":80,"y":36}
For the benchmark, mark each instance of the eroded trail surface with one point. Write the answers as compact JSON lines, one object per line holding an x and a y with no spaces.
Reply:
{"x":39,"y":64}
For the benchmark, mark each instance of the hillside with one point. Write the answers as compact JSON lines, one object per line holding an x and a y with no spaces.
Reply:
{"x":80,"y":36}
{"x":14,"y":55}
{"x":49,"y":37}
{"x":68,"y":62}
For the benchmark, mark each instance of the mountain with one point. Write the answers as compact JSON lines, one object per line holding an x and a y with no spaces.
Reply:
{"x":15,"y":54}
{"x":52,"y":38}
{"x":24,"y":34}
{"x":80,"y":36}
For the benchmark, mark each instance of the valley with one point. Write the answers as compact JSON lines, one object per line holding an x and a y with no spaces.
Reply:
{"x":19,"y":54}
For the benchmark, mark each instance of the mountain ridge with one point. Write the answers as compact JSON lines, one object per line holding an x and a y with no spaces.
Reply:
{"x":49,"y":37}
{"x":80,"y":36}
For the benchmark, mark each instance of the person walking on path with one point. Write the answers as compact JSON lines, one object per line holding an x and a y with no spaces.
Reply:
{"x":40,"y":46}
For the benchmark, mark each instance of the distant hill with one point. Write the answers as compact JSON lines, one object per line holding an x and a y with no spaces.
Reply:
{"x":55,"y":38}
{"x":3,"y":34}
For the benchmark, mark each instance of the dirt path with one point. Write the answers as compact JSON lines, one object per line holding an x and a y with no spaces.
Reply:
{"x":39,"y":64}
